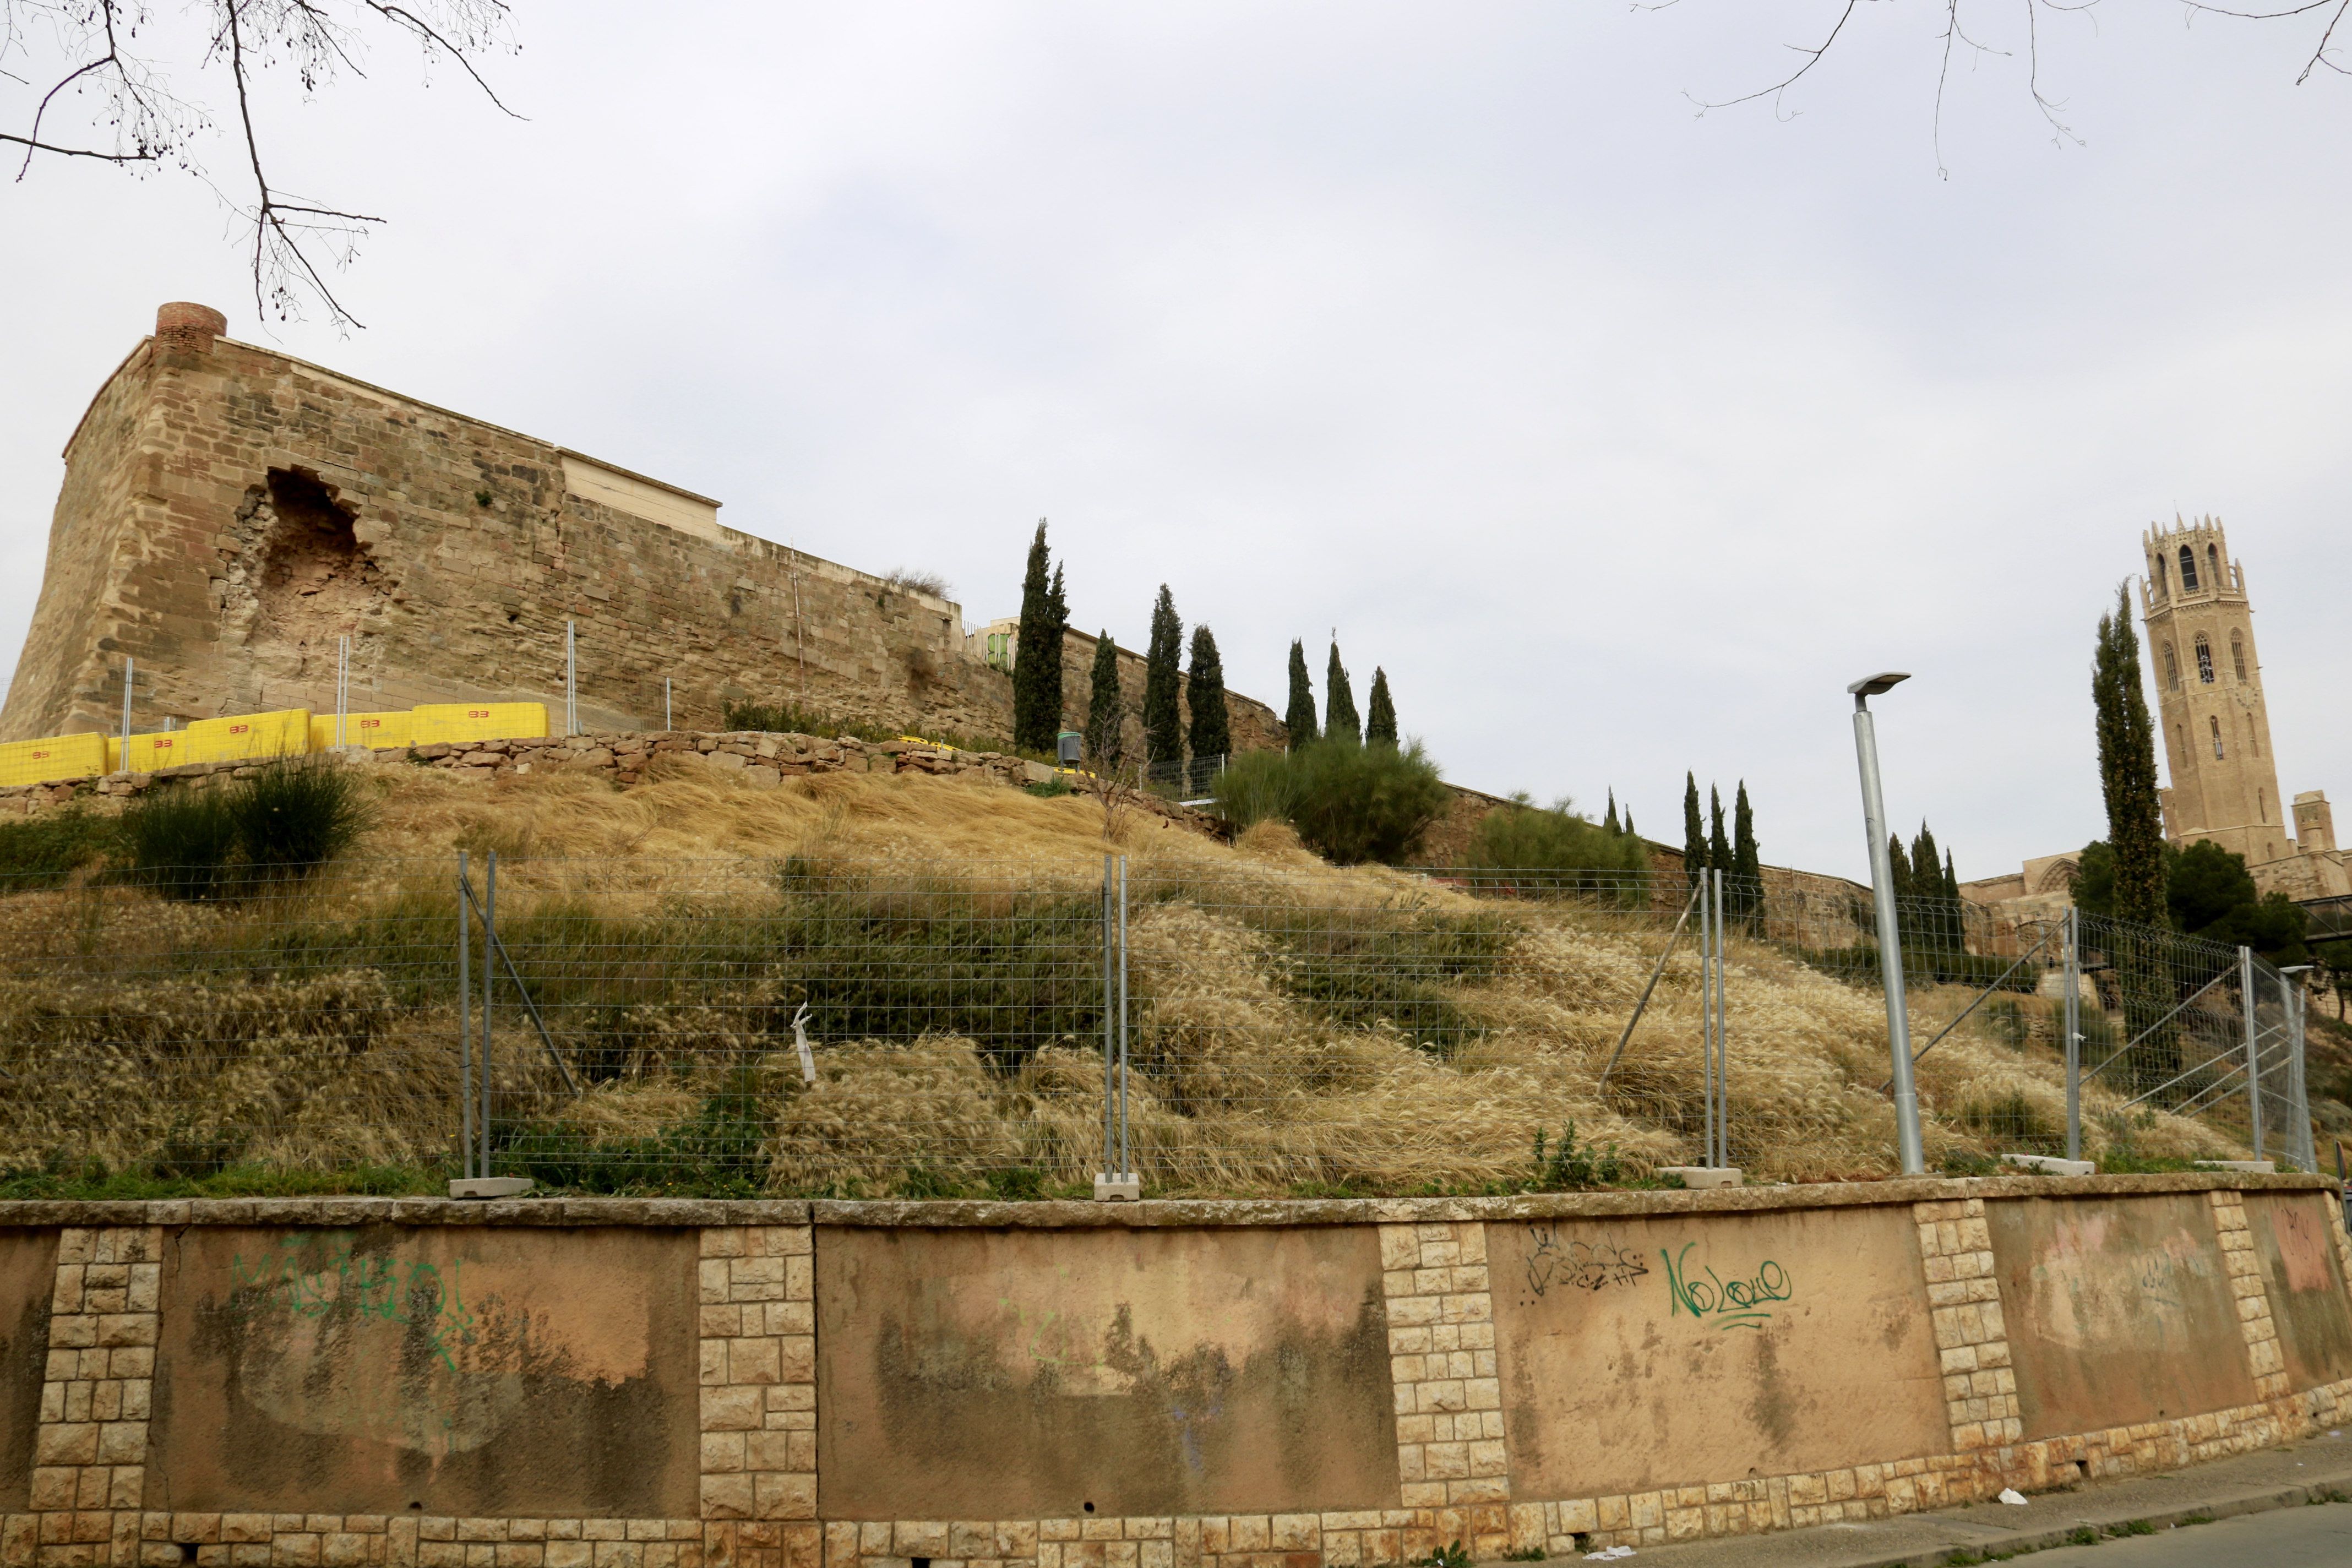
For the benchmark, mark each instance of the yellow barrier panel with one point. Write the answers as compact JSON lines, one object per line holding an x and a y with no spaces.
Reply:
{"x":380,"y":730}
{"x":441,"y":723}
{"x":245,"y":737}
{"x":53,"y":758}
{"x":162,"y":749}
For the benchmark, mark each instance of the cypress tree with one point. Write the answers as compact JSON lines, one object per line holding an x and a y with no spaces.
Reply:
{"x":1609,"y":823}
{"x":1037,"y":701}
{"x":1629,"y":831}
{"x":1051,"y":696}
{"x":1693,"y":831}
{"x":1746,"y":864}
{"x":1299,"y":719}
{"x":1340,"y":720}
{"x":1106,"y":710}
{"x":1163,"y":716}
{"x":1212,"y":725}
{"x":1718,"y":847}
{"x":2127,"y":768}
{"x":1899,"y":869}
{"x":1926,"y":866}
{"x":1380,"y":721}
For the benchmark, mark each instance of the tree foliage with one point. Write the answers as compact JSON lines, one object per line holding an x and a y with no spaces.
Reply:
{"x":98,"y":81}
{"x":1037,"y":650}
{"x":1299,"y":718}
{"x":1205,"y":695}
{"x":1524,"y":837}
{"x":1340,"y":720}
{"x":1349,"y":802}
{"x":2127,"y":768}
{"x":1745,"y":891}
{"x":2208,"y":893}
{"x":1163,"y":679}
{"x":1379,"y":718}
{"x":1106,"y":710}
{"x":1694,"y":832}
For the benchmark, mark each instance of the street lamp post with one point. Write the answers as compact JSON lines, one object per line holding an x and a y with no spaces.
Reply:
{"x":1890,"y":945}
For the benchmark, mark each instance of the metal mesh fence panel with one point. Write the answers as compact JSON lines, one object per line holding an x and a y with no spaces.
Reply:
{"x":868,"y":1028}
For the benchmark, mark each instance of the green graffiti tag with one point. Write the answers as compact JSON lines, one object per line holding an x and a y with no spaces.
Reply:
{"x":1728,"y":1304}
{"x":314,"y":1280}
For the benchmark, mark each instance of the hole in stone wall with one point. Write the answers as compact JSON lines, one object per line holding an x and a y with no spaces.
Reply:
{"x":316,"y":577}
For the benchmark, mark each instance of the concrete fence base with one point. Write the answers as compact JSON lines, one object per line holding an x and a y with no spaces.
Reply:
{"x":627,"y":1384}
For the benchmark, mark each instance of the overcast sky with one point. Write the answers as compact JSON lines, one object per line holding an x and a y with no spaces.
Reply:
{"x":1624,"y":438}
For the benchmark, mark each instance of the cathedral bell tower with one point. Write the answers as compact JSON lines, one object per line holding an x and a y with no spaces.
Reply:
{"x":2217,"y":732}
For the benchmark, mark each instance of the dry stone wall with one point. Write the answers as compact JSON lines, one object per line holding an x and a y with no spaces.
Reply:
{"x":627,"y":759}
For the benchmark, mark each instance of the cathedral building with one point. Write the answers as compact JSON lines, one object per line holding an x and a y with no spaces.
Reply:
{"x":2215,"y":730}
{"x":2215,"y":724}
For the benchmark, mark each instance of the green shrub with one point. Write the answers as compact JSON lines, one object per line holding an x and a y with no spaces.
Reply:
{"x":293,"y":817}
{"x":1257,"y":786}
{"x":179,"y":841}
{"x":286,"y":821}
{"x":43,"y":851}
{"x":1566,"y":852}
{"x":1569,"y":1166}
{"x":1349,"y":802}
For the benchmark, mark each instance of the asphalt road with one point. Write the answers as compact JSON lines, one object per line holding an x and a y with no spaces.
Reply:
{"x":2307,"y":1537}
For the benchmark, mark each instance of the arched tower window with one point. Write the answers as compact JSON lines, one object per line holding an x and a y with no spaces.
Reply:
{"x":2213,"y":563}
{"x":2238,"y":654}
{"x":2217,"y":735}
{"x":2171,"y":668}
{"x":2188,"y":570}
{"x":2163,"y":578}
{"x":2204,"y":659}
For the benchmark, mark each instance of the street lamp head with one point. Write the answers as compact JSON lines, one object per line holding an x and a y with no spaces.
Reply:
{"x":1872,"y":685}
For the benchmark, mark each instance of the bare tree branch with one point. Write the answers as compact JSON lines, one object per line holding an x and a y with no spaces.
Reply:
{"x":292,"y":240}
{"x":1954,"y":34}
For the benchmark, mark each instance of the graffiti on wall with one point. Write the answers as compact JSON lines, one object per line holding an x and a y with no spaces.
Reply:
{"x":1737,"y":1303}
{"x":1569,"y":1264}
{"x":326,"y":1279}
{"x":1558,"y":1262}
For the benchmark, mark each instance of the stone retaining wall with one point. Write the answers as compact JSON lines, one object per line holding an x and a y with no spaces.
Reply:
{"x":403,"y":1382}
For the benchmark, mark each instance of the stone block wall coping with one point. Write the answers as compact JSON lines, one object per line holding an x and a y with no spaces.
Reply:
{"x":1158,"y":1214}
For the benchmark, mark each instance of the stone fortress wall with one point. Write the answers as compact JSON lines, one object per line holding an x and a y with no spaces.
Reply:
{"x":228,"y":512}
{"x":562,"y":1382}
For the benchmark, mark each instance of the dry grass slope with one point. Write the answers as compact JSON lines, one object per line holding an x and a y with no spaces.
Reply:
{"x":118,"y":1044}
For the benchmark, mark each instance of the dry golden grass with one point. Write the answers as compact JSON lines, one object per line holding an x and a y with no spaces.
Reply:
{"x":1239,"y":1082}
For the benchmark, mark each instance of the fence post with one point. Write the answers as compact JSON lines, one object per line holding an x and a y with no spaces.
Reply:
{"x":2253,"y":1050}
{"x":570,"y":685}
{"x":2298,"y":1091}
{"x":489,"y":947}
{"x":128,"y":665}
{"x":1110,"y":997}
{"x":1722,"y":1053}
{"x":2074,"y":1027}
{"x":1707,"y":1012}
{"x":465,"y":1025}
{"x":1126,"y":1163}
